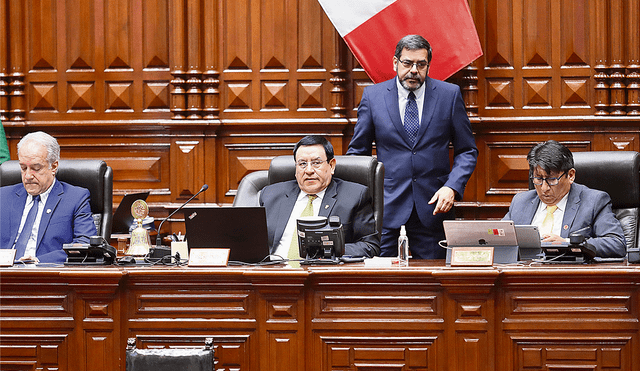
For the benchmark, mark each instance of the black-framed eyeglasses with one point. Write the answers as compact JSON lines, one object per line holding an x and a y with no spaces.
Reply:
{"x":536,"y":180}
{"x":302,"y":165}
{"x":421,"y":65}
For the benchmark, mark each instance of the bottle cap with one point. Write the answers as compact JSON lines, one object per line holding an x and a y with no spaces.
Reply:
{"x":403,"y":231}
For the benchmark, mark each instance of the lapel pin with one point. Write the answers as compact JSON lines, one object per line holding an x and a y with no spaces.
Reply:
{"x":565,"y":227}
{"x":48,"y":211}
{"x":326,"y":206}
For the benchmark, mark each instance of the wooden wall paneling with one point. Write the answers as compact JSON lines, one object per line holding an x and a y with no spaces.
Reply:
{"x":237,"y":64}
{"x":187,"y":164}
{"x":572,"y":76}
{"x":194,"y":59}
{"x":17,"y":40}
{"x":617,"y":58}
{"x":178,"y":58}
{"x":211,"y":60}
{"x":4,"y":62}
{"x":139,"y":163}
{"x":499,"y":91}
{"x":632,"y":22}
{"x":601,"y":22}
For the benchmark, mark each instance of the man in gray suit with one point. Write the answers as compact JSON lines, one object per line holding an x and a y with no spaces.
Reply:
{"x":316,"y":191}
{"x":566,"y":206}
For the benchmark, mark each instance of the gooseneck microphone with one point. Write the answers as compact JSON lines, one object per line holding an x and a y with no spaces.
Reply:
{"x":159,"y":238}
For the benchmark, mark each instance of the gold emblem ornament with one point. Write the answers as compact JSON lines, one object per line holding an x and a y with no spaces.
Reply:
{"x":140,"y":239}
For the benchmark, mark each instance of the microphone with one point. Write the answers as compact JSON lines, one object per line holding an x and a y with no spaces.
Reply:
{"x":158,"y":238}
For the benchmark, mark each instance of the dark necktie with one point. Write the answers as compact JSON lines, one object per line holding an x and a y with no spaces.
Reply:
{"x":21,"y":245}
{"x":411,"y":119}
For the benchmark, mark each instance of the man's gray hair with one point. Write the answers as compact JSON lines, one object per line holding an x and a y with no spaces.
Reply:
{"x":49,"y":142}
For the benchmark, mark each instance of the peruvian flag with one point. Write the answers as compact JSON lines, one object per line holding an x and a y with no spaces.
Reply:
{"x":372,"y":28}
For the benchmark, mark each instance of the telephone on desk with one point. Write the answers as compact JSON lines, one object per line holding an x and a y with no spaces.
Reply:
{"x":96,"y":252}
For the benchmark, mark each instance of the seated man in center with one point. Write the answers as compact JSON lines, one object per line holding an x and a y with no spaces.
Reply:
{"x":284,"y":202}
{"x":558,"y":206}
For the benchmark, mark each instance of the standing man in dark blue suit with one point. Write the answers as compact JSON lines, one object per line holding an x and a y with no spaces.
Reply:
{"x":558,"y":206}
{"x":413,"y":119}
{"x":42,"y":214}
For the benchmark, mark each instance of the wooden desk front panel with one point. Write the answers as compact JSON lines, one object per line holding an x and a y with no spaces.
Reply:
{"x":425,"y":317}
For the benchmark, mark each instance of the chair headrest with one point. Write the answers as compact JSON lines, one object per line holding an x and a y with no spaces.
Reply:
{"x":358,"y":169}
{"x":83,"y":173}
{"x":615,"y":172}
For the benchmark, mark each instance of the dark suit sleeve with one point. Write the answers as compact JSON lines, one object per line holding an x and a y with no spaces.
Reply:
{"x":606,"y":232}
{"x":82,"y":228}
{"x":465,"y":152}
{"x":361,"y":236}
{"x":83,"y":225}
{"x":364,"y":132}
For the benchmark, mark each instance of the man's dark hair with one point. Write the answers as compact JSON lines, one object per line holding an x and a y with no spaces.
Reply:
{"x":551,"y":156}
{"x":413,"y":42}
{"x":312,"y":140}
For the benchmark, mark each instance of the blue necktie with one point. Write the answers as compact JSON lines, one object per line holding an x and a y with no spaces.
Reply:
{"x":411,"y":119}
{"x":21,"y":245}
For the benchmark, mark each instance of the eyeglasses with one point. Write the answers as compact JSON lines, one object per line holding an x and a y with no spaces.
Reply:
{"x":419,"y":65}
{"x":302,"y":165}
{"x":550,"y":181}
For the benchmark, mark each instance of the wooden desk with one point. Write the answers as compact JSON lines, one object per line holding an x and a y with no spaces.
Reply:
{"x":423,"y":317}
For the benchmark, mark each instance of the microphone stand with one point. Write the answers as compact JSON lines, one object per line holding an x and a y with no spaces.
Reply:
{"x":159,"y":238}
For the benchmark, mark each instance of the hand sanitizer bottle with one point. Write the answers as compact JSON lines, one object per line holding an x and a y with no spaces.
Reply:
{"x":403,"y":248}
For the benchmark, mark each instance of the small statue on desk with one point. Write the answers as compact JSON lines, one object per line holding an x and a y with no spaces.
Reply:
{"x":140,"y":239}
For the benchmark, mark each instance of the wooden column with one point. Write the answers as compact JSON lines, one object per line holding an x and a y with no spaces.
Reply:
{"x":16,"y":61}
{"x":633,"y":58}
{"x":211,"y":51}
{"x":601,"y":76}
{"x":177,"y":59}
{"x":617,"y":69}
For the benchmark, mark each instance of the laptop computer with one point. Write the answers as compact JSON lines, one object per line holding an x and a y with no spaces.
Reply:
{"x":122,"y":218}
{"x":241,"y":229}
{"x":499,"y":234}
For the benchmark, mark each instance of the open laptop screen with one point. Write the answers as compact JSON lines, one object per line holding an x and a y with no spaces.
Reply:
{"x":469,"y":233}
{"x":241,"y":229}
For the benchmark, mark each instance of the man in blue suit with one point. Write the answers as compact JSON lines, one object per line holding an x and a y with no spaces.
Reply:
{"x":413,"y":119}
{"x":558,"y":206}
{"x":42,"y":214}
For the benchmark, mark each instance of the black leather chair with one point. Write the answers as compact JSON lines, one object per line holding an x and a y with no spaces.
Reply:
{"x":170,"y":359}
{"x":618,"y":174}
{"x":94,"y":175}
{"x":365,"y":170}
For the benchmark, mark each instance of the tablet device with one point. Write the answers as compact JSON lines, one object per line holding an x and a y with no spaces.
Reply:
{"x":529,"y":245}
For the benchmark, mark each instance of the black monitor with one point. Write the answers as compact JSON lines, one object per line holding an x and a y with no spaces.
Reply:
{"x":320,"y":238}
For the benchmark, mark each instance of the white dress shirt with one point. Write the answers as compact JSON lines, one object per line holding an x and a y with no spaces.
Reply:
{"x":558,"y":215}
{"x":301,"y":203}
{"x":403,"y":97}
{"x":30,"y":250}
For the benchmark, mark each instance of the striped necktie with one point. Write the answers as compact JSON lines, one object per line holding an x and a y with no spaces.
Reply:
{"x":21,"y":245}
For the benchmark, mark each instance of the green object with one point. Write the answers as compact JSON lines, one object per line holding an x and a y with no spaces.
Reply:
{"x":4,"y":147}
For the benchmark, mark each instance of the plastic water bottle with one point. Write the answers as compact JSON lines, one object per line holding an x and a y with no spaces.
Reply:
{"x":403,"y":248}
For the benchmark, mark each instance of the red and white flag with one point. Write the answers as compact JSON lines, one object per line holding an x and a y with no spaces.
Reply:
{"x":372,"y":28}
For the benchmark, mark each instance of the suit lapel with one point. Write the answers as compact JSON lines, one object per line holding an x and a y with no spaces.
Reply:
{"x":428,"y":107}
{"x":531,"y":207}
{"x":52,"y":202}
{"x":17,"y":208}
{"x":392,"y":103}
{"x":284,"y":211}
{"x":329,"y":199}
{"x":573,"y":203}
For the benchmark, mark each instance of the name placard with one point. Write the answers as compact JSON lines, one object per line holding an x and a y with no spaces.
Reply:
{"x":6,"y":257}
{"x":208,"y":257}
{"x":472,"y":256}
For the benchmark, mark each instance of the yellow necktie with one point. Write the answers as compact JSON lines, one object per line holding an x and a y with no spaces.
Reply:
{"x":294,"y":252}
{"x":547,"y":223}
